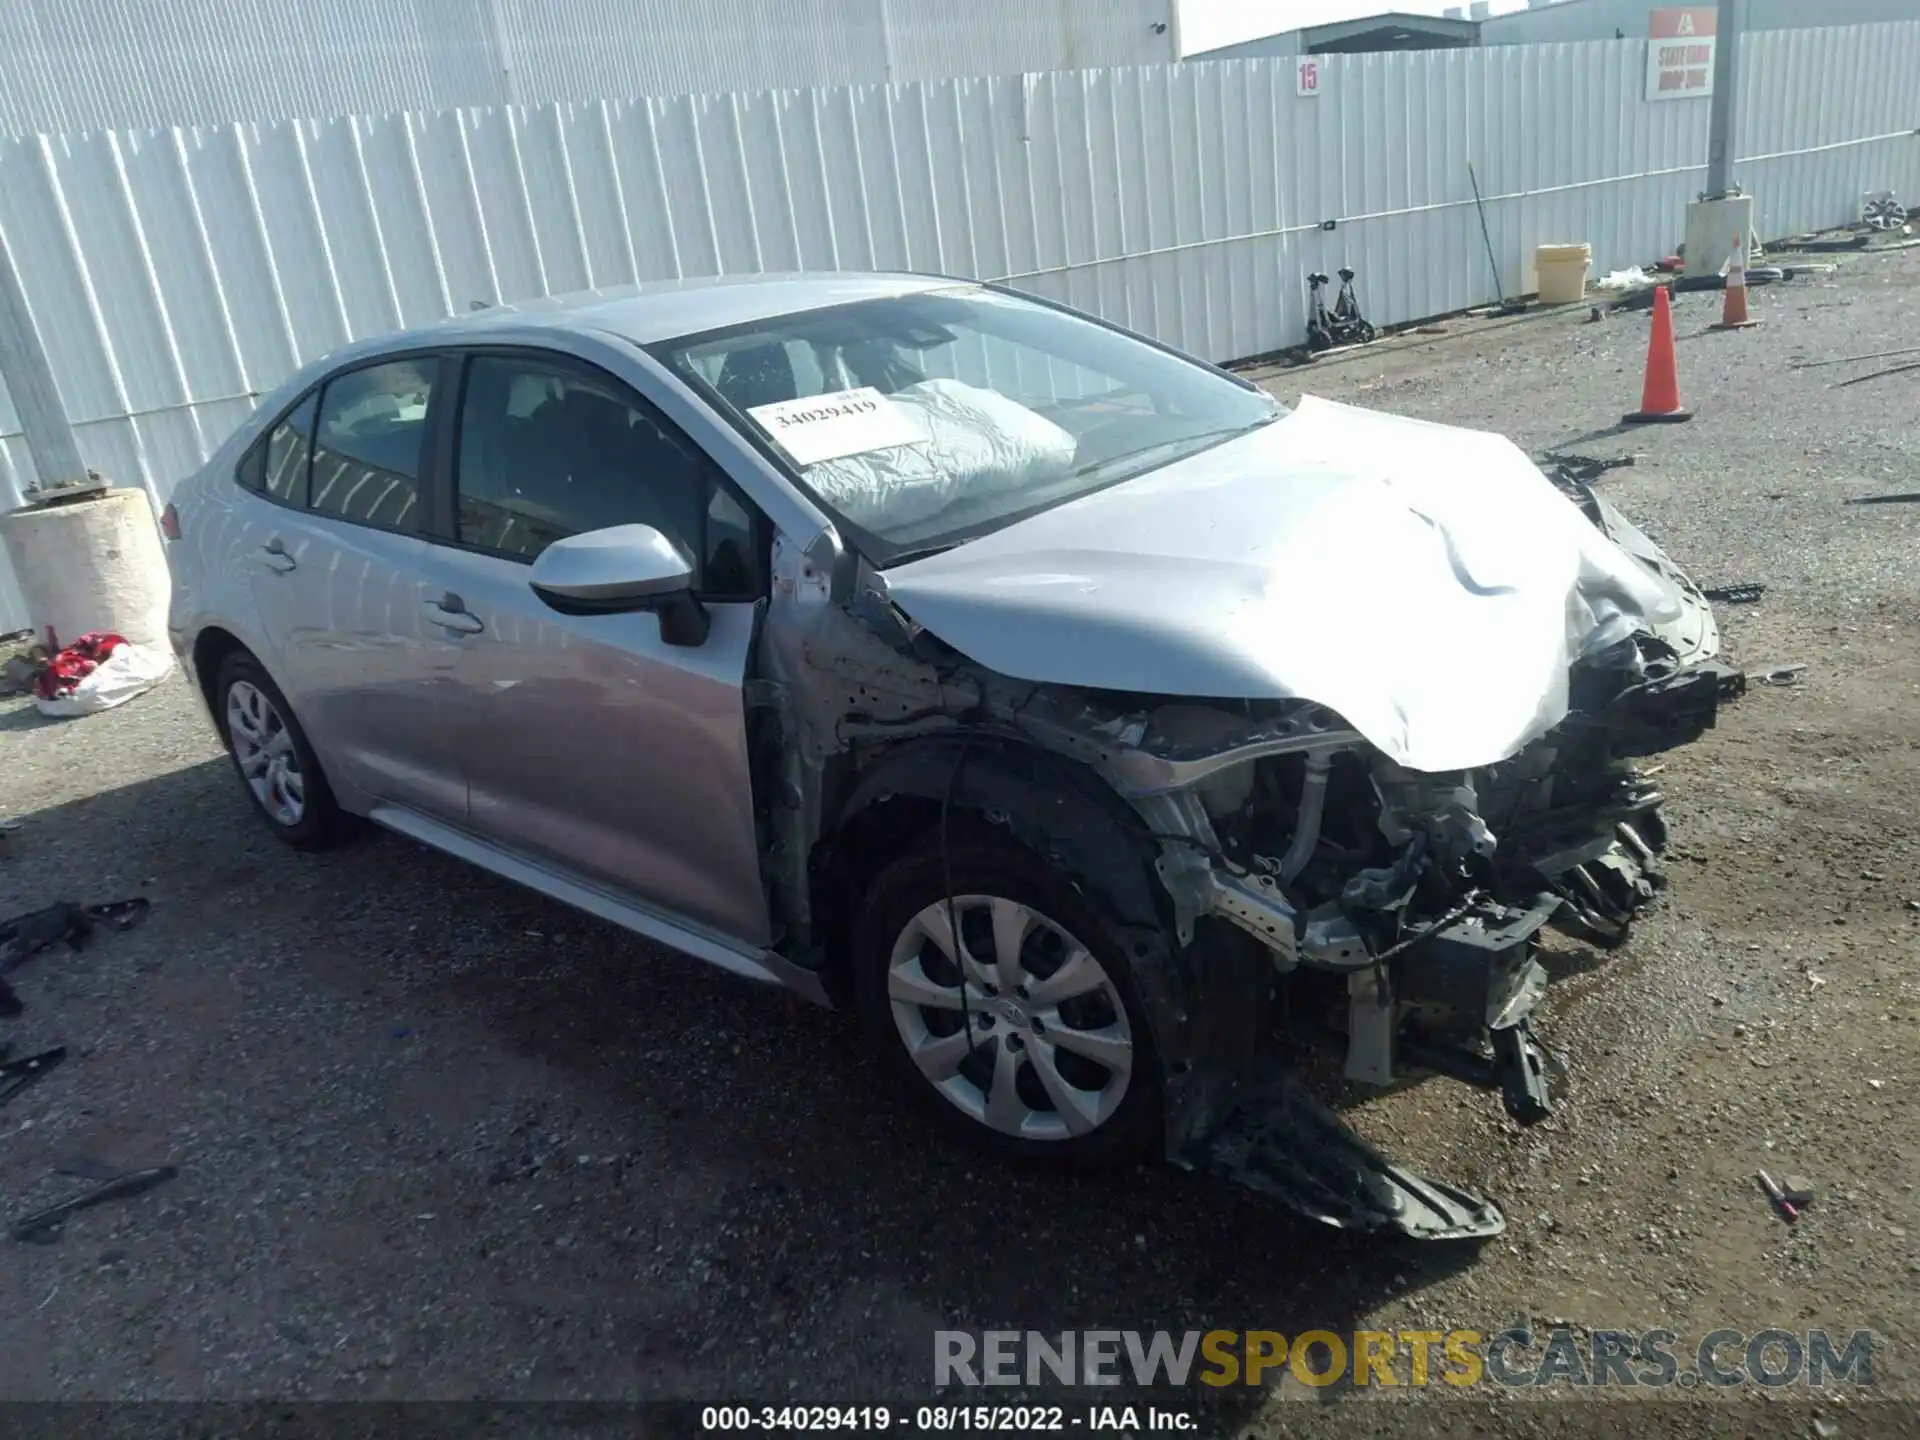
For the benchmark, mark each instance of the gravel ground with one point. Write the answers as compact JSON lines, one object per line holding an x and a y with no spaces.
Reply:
{"x":440,"y":1138}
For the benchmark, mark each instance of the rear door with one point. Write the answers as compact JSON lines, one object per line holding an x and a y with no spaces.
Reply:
{"x":587,"y":739}
{"x":335,"y":551}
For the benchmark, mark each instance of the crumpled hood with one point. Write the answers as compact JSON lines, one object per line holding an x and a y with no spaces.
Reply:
{"x":1425,"y":582}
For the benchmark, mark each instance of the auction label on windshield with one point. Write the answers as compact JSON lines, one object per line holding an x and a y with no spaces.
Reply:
{"x":847,"y":422}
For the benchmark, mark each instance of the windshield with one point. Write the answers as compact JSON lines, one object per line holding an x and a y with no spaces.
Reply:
{"x":923,"y":420}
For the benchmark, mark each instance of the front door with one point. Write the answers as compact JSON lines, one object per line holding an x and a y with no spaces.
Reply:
{"x":588,"y":739}
{"x":335,"y":554}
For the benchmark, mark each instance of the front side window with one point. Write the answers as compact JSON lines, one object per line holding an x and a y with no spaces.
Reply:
{"x":277,"y":463}
{"x":366,"y":454}
{"x":927,"y":419}
{"x":547,"y":450}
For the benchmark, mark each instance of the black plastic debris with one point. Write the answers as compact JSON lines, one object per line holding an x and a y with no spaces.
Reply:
{"x":42,"y":1223}
{"x":26,"y":935}
{"x":17,"y":1075}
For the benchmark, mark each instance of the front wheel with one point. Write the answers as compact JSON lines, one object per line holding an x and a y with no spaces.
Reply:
{"x":1025,"y":1029}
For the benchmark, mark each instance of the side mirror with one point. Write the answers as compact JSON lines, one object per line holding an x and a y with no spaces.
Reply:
{"x":619,"y":570}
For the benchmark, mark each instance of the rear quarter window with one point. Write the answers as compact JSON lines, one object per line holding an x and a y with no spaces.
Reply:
{"x":276,"y":464}
{"x":366,"y":452}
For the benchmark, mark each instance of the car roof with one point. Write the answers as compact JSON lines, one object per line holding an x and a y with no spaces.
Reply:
{"x":667,"y":309}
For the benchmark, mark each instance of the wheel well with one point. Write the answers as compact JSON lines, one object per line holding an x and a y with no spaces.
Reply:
{"x":210,"y":651}
{"x":845,"y":863}
{"x":1009,"y":790}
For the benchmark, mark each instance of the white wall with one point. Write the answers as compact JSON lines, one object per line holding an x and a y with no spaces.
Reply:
{"x":174,"y":274}
{"x":93,"y":64}
{"x":1598,"y":19}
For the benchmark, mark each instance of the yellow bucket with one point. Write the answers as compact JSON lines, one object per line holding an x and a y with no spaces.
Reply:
{"x":1563,"y":272}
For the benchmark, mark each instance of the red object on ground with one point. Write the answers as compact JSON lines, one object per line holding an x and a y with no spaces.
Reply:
{"x":73,"y":664}
{"x":1660,"y":396}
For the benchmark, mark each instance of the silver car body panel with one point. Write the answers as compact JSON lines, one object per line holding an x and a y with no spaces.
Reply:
{"x":592,"y":742}
{"x":342,"y":608}
{"x":609,"y":904}
{"x":1368,"y":563}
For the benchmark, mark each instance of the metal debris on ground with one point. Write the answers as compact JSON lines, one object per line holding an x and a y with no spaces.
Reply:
{"x":17,"y":1075}
{"x":1742,"y":594}
{"x":1779,"y":675}
{"x":134,"y":1182}
{"x":1778,"y":1196}
{"x":1852,"y":359}
{"x":1875,"y":375}
{"x":1906,"y":497}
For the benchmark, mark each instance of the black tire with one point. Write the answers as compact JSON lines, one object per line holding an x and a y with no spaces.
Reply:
{"x":321,"y":821}
{"x":984,"y":864}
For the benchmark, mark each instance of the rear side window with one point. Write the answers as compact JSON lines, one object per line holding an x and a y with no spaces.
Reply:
{"x":277,"y":463}
{"x":366,"y":452}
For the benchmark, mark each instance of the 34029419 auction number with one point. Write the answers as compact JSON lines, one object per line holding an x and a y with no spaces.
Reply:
{"x":798,"y":1417}
{"x":1019,"y":1419}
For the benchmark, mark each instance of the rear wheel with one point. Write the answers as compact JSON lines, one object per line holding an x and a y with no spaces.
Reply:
{"x":272,"y":756}
{"x":1010,"y":1011}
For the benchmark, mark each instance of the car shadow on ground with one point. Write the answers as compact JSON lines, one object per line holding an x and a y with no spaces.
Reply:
{"x":830,"y":1205}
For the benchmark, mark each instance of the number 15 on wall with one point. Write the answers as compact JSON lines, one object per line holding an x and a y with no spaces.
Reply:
{"x":1307,"y":78}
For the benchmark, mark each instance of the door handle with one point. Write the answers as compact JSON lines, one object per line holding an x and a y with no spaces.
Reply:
{"x":451,"y":611}
{"x":274,"y":556}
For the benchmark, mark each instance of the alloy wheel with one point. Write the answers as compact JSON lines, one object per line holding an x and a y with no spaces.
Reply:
{"x":1013,"y":1020}
{"x":263,"y":748}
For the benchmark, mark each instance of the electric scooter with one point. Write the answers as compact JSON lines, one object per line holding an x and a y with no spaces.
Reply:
{"x":1344,"y":324}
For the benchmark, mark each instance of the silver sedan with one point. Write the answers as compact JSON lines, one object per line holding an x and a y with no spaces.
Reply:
{"x":1067,"y":706}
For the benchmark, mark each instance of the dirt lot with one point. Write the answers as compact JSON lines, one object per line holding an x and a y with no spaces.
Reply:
{"x":439,"y":1138}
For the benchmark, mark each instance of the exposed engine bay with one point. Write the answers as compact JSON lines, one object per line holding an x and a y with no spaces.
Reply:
{"x":1279,"y":873}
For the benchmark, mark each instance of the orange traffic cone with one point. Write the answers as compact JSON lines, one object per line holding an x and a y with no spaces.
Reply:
{"x":1733,"y":314}
{"x":1660,"y":397}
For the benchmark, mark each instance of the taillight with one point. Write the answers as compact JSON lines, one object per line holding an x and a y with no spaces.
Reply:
{"x":170,"y":523}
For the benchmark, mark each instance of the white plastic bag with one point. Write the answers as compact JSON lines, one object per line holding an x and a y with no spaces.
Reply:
{"x":129,"y":671}
{"x":1632,"y":278}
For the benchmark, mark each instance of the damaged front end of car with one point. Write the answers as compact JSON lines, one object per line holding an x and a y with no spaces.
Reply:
{"x":1277,"y":870}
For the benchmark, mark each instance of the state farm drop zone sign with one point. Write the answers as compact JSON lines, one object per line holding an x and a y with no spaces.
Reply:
{"x":1680,"y":53}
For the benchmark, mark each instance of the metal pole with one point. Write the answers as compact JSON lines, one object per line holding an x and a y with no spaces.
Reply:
{"x":1726,"y":74}
{"x":29,"y":380}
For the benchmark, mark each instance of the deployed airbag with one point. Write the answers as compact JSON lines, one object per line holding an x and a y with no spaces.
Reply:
{"x":976,"y":443}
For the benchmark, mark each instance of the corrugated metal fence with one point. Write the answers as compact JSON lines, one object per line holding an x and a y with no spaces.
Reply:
{"x":109,"y":64}
{"x":173,"y":274}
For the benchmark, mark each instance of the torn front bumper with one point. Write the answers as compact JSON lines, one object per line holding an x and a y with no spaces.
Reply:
{"x":1455,"y":1000}
{"x":1273,"y":1136}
